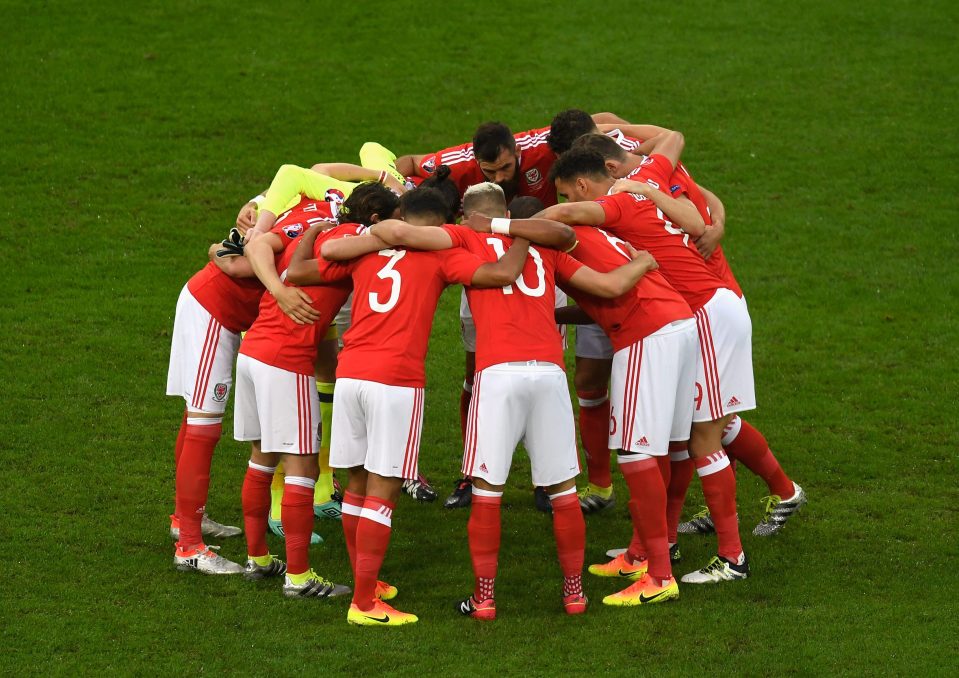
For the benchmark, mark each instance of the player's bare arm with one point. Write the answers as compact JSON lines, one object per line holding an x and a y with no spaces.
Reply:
{"x":235,"y":267}
{"x":303,"y":268}
{"x":540,"y":231}
{"x":642,"y":132}
{"x":669,"y":144}
{"x":708,"y":241}
{"x":506,"y":270}
{"x":344,"y":249}
{"x":344,"y":171}
{"x":607,"y":118}
{"x":409,"y":165}
{"x":586,"y":213}
{"x":398,"y":232}
{"x":572,"y":315}
{"x":681,"y":211}
{"x":293,"y":301}
{"x":617,"y":282}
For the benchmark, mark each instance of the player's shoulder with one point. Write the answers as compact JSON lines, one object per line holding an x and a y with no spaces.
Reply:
{"x":533,"y":138}
{"x":455,"y":155}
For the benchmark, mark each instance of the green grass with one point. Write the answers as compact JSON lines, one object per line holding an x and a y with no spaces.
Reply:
{"x":131,"y":137}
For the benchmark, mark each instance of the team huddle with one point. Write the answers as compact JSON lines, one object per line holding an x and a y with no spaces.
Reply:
{"x":323,"y":298}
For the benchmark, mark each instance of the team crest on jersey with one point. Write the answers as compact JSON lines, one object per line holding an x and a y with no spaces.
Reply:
{"x":219,"y":392}
{"x":293,"y":230}
{"x":648,"y":160}
{"x":335,"y":196}
{"x":533,"y":176}
{"x":430,"y":165}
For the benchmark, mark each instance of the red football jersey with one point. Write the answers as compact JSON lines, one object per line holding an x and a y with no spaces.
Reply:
{"x":395,"y":292}
{"x":650,"y":305}
{"x":309,"y":211}
{"x":636,"y":219}
{"x":275,"y":339}
{"x":682,"y":183}
{"x":535,"y":161}
{"x":516,"y":322}
{"x":234,"y":302}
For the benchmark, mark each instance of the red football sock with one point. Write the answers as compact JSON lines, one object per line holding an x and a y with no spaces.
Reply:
{"x":569,"y":528}
{"x":484,"y":540}
{"x":296,"y":514}
{"x":256,"y":507}
{"x":352,"y":507}
{"x":180,"y":436}
{"x":193,"y":477}
{"x":681,"y":474}
{"x":465,"y":396}
{"x":636,"y":550}
{"x":372,"y":540}
{"x":594,"y":432}
{"x":719,"y":488}
{"x":664,"y":468}
{"x":744,"y":443}
{"x":646,"y":486}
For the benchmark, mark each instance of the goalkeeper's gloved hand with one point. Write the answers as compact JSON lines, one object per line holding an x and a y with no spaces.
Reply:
{"x":232,"y":246}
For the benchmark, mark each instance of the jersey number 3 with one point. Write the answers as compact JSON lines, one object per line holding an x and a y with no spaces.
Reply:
{"x":396,"y":282}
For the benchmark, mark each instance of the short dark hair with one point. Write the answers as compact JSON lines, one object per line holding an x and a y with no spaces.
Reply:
{"x":525,"y":206}
{"x":602,"y":144}
{"x":491,"y":139}
{"x":440,"y":181}
{"x":424,"y":202}
{"x":567,"y":127}
{"x":367,"y":199}
{"x":578,"y":162}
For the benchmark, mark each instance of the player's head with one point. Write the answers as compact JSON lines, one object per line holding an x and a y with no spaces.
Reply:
{"x":525,"y":206}
{"x":613,"y":154}
{"x":567,"y":127}
{"x":486,"y":198}
{"x":424,"y":207}
{"x":580,"y":174}
{"x":368,"y":203}
{"x":495,"y":150}
{"x":440,"y":181}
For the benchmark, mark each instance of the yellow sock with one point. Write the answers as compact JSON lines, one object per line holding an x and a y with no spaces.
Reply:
{"x":604,"y":492}
{"x":262,"y":561}
{"x":276,"y":491}
{"x":324,"y":484}
{"x":377,"y":156}
{"x":300,"y":578}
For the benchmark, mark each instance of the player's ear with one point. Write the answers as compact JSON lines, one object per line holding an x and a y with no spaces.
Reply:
{"x":611,"y":167}
{"x":375,"y":217}
{"x":507,"y":214}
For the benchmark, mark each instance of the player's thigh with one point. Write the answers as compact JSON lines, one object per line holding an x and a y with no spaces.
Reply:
{"x":343,"y":319}
{"x":246,"y":419}
{"x":496,"y":423}
{"x":201,"y":357}
{"x":348,"y":441}
{"x":550,"y":430}
{"x":592,"y":343}
{"x":288,"y":409}
{"x":724,"y":376}
{"x":394,"y":425}
{"x":685,"y":405}
{"x":467,"y":327}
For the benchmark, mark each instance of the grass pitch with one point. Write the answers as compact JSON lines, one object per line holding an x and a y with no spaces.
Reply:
{"x":131,"y":137}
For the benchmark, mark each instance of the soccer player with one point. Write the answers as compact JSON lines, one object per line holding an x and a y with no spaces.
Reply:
{"x":277,"y":409}
{"x":519,"y":164}
{"x":741,"y":441}
{"x":461,"y":496}
{"x":653,"y":382}
{"x":520,"y":389}
{"x":724,"y":371}
{"x":378,"y":412}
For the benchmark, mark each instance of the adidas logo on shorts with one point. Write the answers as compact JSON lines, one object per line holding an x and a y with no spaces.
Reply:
{"x":733,"y":402}
{"x":642,"y":442}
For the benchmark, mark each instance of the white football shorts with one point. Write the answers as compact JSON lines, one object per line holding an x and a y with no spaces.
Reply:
{"x":514,"y":402}
{"x":377,"y":426}
{"x":592,"y":342}
{"x":201,"y":357}
{"x":652,"y":386}
{"x":342,"y":319}
{"x":279,"y":408}
{"x":724,"y":376}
